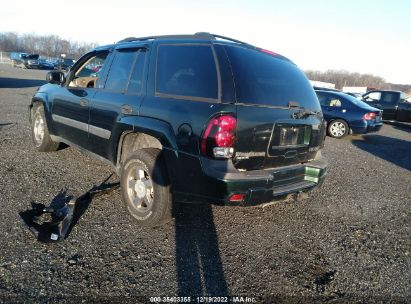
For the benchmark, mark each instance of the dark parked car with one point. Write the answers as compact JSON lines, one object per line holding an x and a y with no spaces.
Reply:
{"x":346,"y":114}
{"x":17,"y":58}
{"x":31,"y":61}
{"x":24,"y":60}
{"x":64,"y":64}
{"x":394,"y":104}
{"x":193,"y":118}
{"x":45,"y":64}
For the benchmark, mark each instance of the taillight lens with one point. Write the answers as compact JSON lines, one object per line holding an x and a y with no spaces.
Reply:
{"x":369,"y":116}
{"x":236,"y":198}
{"x":219,"y":137}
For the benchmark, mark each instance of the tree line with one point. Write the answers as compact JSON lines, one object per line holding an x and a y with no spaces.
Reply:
{"x":54,"y":46}
{"x":342,"y":78}
{"x":44,"y":45}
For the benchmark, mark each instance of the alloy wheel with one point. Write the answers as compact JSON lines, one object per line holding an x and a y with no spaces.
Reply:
{"x":140,"y":188}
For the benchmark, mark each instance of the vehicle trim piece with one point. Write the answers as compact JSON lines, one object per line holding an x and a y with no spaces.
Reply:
{"x":100,"y":132}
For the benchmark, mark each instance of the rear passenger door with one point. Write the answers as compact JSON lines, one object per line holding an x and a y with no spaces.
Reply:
{"x":120,"y":96}
{"x":330,"y":105}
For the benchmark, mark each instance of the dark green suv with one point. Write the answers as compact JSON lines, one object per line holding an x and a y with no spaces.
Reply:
{"x":190,"y":118}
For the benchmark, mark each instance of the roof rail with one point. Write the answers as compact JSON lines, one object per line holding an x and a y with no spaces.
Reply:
{"x":199,"y":35}
{"x":230,"y":39}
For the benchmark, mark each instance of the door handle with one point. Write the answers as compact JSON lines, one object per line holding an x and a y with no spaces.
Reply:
{"x":126,"y":109}
{"x":83,"y":102}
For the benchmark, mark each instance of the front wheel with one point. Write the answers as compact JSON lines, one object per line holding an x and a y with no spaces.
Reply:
{"x":338,"y":128}
{"x":40,"y":132}
{"x":145,"y":189}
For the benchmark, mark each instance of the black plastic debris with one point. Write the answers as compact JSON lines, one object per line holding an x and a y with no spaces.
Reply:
{"x":54,"y":222}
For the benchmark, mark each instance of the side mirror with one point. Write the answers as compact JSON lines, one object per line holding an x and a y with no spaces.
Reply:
{"x":55,"y":77}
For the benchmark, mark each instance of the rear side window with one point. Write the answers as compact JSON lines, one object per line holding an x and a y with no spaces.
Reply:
{"x":323,"y":99}
{"x":264,"y":79}
{"x":120,"y":70}
{"x":329,"y":101}
{"x":187,"y":70}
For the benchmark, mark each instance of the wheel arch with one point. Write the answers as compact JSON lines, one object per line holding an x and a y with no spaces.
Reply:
{"x":338,"y":118}
{"x":142,"y":132}
{"x":42,"y":100}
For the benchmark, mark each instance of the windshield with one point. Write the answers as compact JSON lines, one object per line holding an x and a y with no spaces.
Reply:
{"x":264,"y":79}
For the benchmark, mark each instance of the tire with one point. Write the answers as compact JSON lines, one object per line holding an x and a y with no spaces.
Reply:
{"x":338,"y":128}
{"x":145,"y":189}
{"x":40,"y":133}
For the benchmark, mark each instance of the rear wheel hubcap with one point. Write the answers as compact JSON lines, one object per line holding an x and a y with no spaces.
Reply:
{"x":140,"y":189}
{"x":338,"y":129}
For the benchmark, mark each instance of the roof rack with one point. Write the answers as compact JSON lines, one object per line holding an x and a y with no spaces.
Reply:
{"x":199,"y":35}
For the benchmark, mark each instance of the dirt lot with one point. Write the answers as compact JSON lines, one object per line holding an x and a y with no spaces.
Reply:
{"x":350,"y":241}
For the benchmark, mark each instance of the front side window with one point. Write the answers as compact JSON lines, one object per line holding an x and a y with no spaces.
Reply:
{"x":87,"y":75}
{"x":373,"y":96}
{"x":187,"y":70}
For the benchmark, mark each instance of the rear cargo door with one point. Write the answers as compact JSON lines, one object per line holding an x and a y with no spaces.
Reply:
{"x":279,"y":119}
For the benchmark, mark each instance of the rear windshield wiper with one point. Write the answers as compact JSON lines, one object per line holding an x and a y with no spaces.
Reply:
{"x":300,"y":114}
{"x":303,"y":114}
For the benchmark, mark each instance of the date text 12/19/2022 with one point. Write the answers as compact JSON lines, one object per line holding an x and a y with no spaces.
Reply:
{"x":203,"y":299}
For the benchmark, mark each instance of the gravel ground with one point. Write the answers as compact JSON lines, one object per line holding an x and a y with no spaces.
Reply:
{"x":350,"y":241}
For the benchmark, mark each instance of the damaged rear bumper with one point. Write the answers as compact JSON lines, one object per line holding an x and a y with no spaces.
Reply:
{"x":255,"y":187}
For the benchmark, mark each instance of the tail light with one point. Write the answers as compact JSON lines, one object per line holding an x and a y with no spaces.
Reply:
{"x":236,"y":198}
{"x":369,"y":116}
{"x":219,"y":137}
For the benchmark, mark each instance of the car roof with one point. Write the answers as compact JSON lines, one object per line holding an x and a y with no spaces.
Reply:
{"x":335,"y":93}
{"x":187,"y":38}
{"x":389,"y":91}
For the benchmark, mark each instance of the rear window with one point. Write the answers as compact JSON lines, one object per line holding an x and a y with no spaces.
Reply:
{"x":264,"y":79}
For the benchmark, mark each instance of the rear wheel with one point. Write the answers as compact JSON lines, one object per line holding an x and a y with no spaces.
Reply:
{"x":338,"y":128}
{"x":145,"y":189}
{"x":40,"y":132}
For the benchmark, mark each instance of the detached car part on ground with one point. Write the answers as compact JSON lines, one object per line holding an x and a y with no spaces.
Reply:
{"x":346,"y":114}
{"x":188,"y":118}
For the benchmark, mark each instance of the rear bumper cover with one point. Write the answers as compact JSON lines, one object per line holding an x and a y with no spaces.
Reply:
{"x":223,"y":180}
{"x":363,"y":126}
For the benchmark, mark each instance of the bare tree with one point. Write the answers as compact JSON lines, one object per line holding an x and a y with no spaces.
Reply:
{"x":342,"y":78}
{"x":45,"y":45}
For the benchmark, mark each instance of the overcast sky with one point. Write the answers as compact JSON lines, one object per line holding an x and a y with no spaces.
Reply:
{"x":356,"y":35}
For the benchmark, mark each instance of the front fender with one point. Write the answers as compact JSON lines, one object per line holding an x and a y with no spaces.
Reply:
{"x":42,"y":98}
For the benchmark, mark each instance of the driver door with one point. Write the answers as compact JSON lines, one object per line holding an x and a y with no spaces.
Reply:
{"x":71,"y":105}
